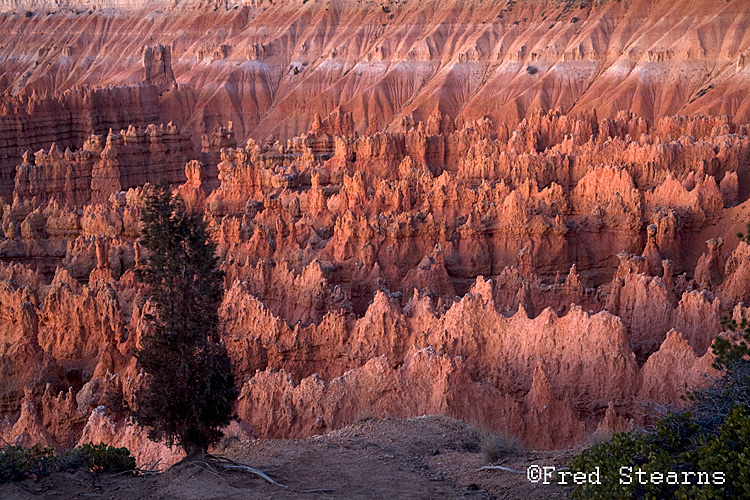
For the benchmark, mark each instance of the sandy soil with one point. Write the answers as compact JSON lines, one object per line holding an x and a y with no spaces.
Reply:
{"x":420,"y":458}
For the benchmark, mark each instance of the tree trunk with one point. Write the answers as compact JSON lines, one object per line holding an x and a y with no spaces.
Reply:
{"x":196,"y":454}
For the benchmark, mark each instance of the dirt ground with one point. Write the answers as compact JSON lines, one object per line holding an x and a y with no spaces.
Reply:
{"x":420,"y":458}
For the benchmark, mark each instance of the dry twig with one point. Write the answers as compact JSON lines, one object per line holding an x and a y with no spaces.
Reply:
{"x":500,"y":467}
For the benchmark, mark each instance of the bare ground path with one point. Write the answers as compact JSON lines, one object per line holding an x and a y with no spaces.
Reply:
{"x":419,"y":458}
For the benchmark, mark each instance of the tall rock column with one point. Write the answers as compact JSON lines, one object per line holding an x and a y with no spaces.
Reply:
{"x":157,"y":61}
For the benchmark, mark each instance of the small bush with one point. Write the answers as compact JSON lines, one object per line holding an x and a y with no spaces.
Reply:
{"x":495,"y":448}
{"x":72,"y":459}
{"x":17,"y":463}
{"x":105,"y":458}
{"x":662,"y":451}
{"x":599,"y":436}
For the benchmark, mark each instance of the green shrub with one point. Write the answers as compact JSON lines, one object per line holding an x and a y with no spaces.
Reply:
{"x":17,"y":463}
{"x":105,"y":458}
{"x":665,"y":450}
{"x":728,"y":452}
{"x":713,"y":439}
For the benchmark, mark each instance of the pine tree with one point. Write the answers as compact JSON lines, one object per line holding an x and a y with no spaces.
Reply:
{"x":189,"y":391}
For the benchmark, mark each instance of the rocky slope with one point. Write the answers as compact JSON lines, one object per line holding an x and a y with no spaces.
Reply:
{"x":269,"y":67}
{"x":547,"y":274}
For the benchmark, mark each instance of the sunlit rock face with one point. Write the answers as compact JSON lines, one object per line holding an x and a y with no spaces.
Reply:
{"x":270,"y":67}
{"x":522,"y":215}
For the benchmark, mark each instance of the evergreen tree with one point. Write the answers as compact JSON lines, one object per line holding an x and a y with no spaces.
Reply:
{"x":188,"y":392}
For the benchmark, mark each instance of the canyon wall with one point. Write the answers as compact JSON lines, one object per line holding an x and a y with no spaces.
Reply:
{"x":104,"y":166}
{"x":68,"y":118}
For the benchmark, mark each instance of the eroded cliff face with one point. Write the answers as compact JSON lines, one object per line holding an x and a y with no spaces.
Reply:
{"x":409,"y":228}
{"x":67,"y":118}
{"x":269,"y":67}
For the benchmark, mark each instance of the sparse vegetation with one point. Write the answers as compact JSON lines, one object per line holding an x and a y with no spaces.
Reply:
{"x":496,"y":447}
{"x":697,"y":454}
{"x":728,"y":353}
{"x":701,"y":93}
{"x":18,"y":463}
{"x":493,"y":447}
